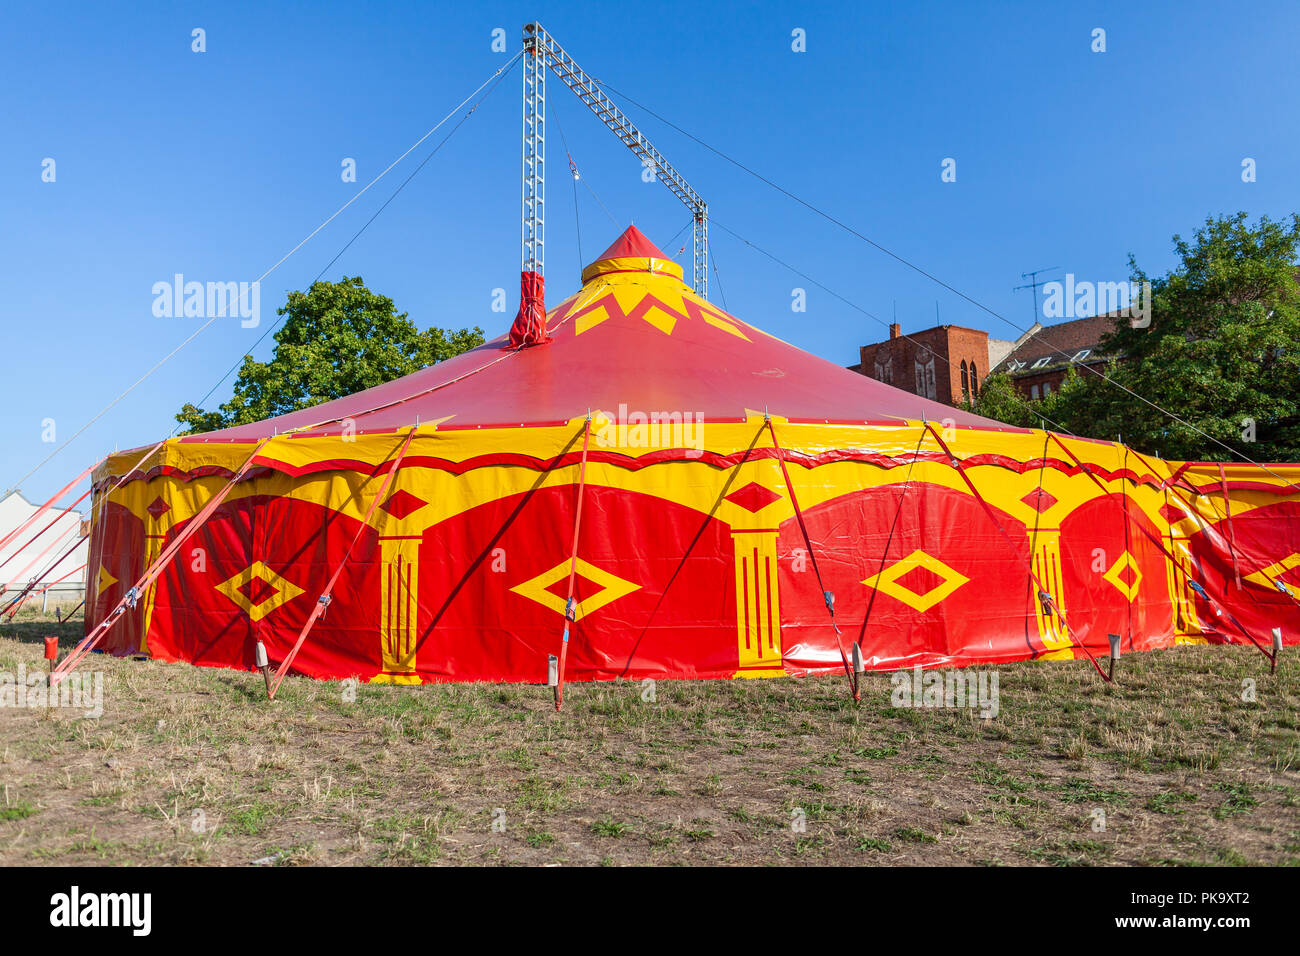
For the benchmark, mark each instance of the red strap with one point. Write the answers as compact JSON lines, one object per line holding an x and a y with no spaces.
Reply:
{"x":1160,"y":544}
{"x":46,"y":507}
{"x":76,"y":543}
{"x":812,"y":556}
{"x":44,"y":551}
{"x":151,"y":573}
{"x":62,"y":578}
{"x":1227,"y":518}
{"x":32,"y":592}
{"x":1192,"y":510}
{"x":1055,"y":606}
{"x":52,"y":523}
{"x":324,"y":599}
{"x":907,"y":485}
{"x":35,"y":582}
{"x":570,"y":609}
{"x":1155,"y":539}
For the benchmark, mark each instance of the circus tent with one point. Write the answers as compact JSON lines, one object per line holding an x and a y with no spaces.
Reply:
{"x":672,"y":493}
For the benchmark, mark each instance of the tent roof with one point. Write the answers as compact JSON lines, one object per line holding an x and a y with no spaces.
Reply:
{"x":634,"y":338}
{"x":632,"y":242}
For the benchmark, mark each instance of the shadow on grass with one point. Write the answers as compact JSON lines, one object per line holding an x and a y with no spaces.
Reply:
{"x":244,"y":685}
{"x":35,"y":631}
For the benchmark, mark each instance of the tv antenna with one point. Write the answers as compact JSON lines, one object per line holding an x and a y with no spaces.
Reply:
{"x":1033,"y":284}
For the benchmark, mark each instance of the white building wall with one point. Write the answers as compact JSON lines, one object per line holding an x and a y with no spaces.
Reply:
{"x":14,"y":510}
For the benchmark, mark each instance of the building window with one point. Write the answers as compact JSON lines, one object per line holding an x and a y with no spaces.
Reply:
{"x":1033,"y":392}
{"x":1080,"y":355}
{"x":974,"y":381}
{"x":1047,"y":389}
{"x":1045,"y":360}
{"x":925,"y":378}
{"x":965,"y":383}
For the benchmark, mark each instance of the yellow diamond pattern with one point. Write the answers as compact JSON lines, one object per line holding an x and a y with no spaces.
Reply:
{"x":286,"y":590}
{"x":1124,"y":561}
{"x":611,"y":588}
{"x":1265,"y":577}
{"x":886,"y":582}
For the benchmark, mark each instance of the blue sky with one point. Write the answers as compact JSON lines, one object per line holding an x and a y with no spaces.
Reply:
{"x":215,"y":164}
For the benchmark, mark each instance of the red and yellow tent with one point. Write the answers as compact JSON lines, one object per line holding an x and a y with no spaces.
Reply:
{"x":726,"y":482}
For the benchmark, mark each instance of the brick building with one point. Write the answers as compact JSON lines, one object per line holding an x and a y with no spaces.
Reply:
{"x":947,"y":363}
{"x":1038,"y":362}
{"x":950,"y":362}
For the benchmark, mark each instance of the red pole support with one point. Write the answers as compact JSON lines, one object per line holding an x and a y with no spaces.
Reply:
{"x":52,"y":651}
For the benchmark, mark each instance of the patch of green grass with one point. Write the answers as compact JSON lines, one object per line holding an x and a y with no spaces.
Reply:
{"x":741,"y":815}
{"x":997,"y":778}
{"x":1078,"y":790}
{"x":19,"y":811}
{"x":1071,"y":853}
{"x":915,"y":835}
{"x":406,"y":775}
{"x":1170,"y":801}
{"x":608,"y":827}
{"x":1240,"y":800}
{"x":867,"y":844}
{"x":251,"y":819}
{"x":103,"y":799}
{"x":542,"y":795}
{"x":1230,"y":857}
{"x":877,"y":753}
{"x":809,"y":844}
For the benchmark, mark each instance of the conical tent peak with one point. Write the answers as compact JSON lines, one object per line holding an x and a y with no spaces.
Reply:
{"x":632,"y":243}
{"x":632,"y":252}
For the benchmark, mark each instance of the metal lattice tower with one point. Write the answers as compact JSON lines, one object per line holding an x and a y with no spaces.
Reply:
{"x":534,"y":171}
{"x":541,"y":52}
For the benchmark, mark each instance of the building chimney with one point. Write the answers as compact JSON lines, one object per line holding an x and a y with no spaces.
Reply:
{"x":895,"y":330}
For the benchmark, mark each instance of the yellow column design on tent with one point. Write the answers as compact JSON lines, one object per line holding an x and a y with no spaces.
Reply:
{"x":399,"y":582}
{"x":1040,"y":499}
{"x":758,"y":605}
{"x":1187,"y":623}
{"x":156,"y":502}
{"x":1046,"y":543}
{"x":755,"y":504}
{"x":401,"y":519}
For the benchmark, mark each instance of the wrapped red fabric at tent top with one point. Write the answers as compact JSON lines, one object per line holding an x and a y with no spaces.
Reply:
{"x":937,"y":531}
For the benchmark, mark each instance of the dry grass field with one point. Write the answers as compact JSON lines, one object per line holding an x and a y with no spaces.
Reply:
{"x":193,"y":766}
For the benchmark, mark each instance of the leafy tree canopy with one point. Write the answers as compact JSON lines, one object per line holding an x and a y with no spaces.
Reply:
{"x":1222,"y":352}
{"x":336,"y":339}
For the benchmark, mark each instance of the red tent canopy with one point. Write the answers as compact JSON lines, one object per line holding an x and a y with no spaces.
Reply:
{"x":668,"y":352}
{"x":641,"y":544}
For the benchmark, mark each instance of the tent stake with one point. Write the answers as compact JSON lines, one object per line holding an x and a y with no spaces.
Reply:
{"x":1114,"y":654}
{"x":264,"y":666}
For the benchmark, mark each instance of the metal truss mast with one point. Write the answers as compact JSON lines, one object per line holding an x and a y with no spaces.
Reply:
{"x":541,"y":53}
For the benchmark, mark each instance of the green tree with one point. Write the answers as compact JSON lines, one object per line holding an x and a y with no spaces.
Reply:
{"x":336,"y":339}
{"x":1222,"y":352}
{"x":1000,"y":400}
